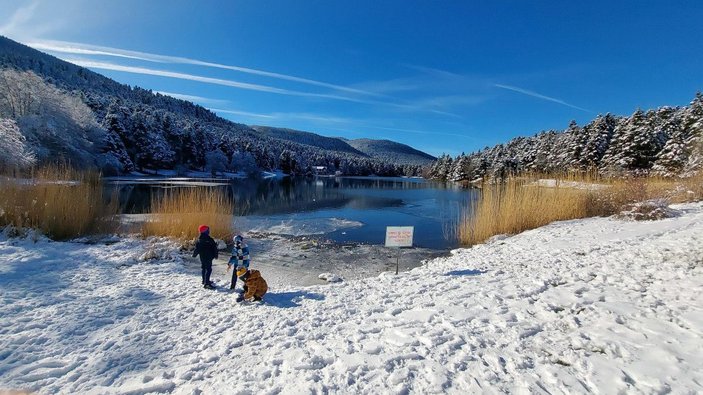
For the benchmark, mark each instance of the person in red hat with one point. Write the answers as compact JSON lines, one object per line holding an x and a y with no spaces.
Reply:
{"x":206,"y":247}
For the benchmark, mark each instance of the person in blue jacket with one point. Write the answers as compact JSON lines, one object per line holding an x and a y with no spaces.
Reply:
{"x":240,"y":258}
{"x":206,"y":247}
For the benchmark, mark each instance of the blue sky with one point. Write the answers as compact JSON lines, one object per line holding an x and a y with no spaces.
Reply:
{"x":441,"y":76}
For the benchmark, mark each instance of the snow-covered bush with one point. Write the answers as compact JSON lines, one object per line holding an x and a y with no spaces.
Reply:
{"x":14,"y":152}
{"x":649,"y":210}
{"x":330,"y":277}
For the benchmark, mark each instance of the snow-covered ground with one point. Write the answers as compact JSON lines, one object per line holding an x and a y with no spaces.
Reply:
{"x":553,"y":183}
{"x":598,"y":305}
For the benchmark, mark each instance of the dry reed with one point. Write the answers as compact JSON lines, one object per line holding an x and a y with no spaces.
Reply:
{"x":529,"y":201}
{"x":178,"y":213}
{"x":61,"y":202}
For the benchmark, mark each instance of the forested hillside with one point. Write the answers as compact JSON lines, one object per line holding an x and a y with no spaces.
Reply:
{"x":53,"y":110}
{"x":386,"y":150}
{"x":667,"y":141}
{"x":307,"y":138}
{"x":391,"y":151}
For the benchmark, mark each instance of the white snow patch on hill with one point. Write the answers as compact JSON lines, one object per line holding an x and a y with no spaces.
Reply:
{"x":598,"y":305}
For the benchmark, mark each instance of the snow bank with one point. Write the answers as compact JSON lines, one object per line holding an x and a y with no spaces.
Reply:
{"x":553,"y":183}
{"x":330,"y":277}
{"x":648,"y":211}
{"x":598,"y":305}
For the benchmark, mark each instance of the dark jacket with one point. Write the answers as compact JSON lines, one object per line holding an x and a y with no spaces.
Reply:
{"x":206,"y":247}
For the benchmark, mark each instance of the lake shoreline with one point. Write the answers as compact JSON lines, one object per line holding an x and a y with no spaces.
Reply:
{"x":344,"y":209}
{"x":299,"y":260}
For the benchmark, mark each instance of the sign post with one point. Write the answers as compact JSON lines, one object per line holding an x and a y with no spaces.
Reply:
{"x":399,"y":236}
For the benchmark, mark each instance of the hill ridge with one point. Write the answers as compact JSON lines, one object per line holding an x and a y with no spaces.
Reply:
{"x":121,"y":128}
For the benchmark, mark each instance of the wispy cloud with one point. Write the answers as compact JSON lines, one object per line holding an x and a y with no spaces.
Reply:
{"x":207,"y":80}
{"x":416,"y":131}
{"x":20,"y":17}
{"x":87,"y":49}
{"x":29,"y":21}
{"x":539,"y":96}
{"x":244,"y":113}
{"x":245,"y":85}
{"x":193,"y":98}
{"x":316,"y":118}
{"x":436,"y":72}
{"x":363,"y":94}
{"x":435,"y":91}
{"x":324,"y":119}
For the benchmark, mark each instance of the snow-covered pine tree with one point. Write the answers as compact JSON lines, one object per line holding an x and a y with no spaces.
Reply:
{"x":571,"y":148}
{"x":673,"y":155}
{"x":598,"y":133}
{"x":445,"y":167}
{"x":634,"y":146}
{"x":545,"y":156}
{"x":671,"y":160}
{"x":461,"y":170}
{"x":692,"y":124}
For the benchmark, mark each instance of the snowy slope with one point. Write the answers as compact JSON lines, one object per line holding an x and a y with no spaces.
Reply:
{"x":598,"y":305}
{"x":390,"y":150}
{"x":307,"y":138}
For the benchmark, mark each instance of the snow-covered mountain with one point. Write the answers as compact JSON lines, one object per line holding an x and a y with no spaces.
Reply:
{"x":378,"y":149}
{"x":307,"y":138}
{"x":391,"y":150}
{"x":63,"y":111}
{"x":667,"y":141}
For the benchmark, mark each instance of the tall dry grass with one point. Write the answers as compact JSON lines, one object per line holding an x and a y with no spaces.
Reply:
{"x":178,"y":213}
{"x":61,"y":202}
{"x":517,"y":205}
{"x":529,"y":201}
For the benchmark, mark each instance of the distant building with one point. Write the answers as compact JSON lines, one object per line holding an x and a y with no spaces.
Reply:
{"x":319,"y":170}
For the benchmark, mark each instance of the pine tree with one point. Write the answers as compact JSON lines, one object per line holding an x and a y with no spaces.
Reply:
{"x":692,"y":124}
{"x":634,"y":147}
{"x":462,"y":169}
{"x":598,"y":133}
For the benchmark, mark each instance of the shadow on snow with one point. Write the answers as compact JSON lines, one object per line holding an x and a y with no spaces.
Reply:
{"x":465,"y":272}
{"x":287,"y":300}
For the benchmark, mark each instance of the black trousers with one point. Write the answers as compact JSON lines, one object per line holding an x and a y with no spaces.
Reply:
{"x":207,"y":271}
{"x":234,"y":278}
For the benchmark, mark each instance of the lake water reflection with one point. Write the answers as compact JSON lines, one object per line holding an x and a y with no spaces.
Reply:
{"x":343,"y":209}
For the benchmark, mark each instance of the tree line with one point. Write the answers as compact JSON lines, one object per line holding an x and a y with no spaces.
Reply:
{"x":667,"y":141}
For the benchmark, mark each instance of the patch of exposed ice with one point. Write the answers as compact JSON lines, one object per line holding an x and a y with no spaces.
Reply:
{"x":294,"y":227}
{"x":169,"y":181}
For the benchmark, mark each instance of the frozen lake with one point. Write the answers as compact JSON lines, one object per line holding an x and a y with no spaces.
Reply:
{"x":342,"y":209}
